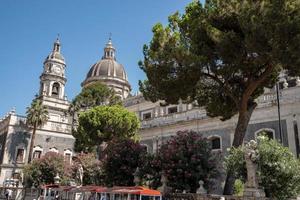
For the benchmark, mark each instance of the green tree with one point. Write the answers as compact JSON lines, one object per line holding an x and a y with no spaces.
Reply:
{"x":102,"y":124}
{"x":123,"y":156}
{"x":223,"y":55}
{"x":95,"y":94}
{"x":43,"y":170}
{"x":37,"y":115}
{"x":279,"y":170}
{"x":185,"y":159}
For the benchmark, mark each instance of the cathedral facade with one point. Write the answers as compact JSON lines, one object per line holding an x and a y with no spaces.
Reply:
{"x":53,"y":136}
{"x":158,"y":123}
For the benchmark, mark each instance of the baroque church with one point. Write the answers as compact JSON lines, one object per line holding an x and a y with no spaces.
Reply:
{"x":158,"y":123}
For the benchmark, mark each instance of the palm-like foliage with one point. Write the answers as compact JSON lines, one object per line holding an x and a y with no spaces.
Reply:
{"x":37,"y":115}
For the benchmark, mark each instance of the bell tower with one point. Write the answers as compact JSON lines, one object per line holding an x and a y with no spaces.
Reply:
{"x":53,"y":78}
{"x":52,"y":87}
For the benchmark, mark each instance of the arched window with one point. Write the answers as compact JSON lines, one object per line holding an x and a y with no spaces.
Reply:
{"x":145,"y":146}
{"x":68,"y":155}
{"x":216,"y":142}
{"x":55,"y":89}
{"x":53,"y":149}
{"x":37,"y":152}
{"x":270,"y":133}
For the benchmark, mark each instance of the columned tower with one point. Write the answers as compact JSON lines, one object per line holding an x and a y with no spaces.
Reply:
{"x":52,"y":86}
{"x":53,"y":78}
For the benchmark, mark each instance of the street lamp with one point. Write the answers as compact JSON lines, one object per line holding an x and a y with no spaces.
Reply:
{"x":278,"y":109}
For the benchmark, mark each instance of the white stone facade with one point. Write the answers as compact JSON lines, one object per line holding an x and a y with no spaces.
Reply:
{"x":54,"y":136}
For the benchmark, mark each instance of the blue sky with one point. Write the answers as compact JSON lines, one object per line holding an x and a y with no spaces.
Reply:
{"x":29,"y":28}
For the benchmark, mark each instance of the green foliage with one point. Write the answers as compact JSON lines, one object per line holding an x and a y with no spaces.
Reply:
{"x":279,"y":170}
{"x":43,"y":170}
{"x":37,"y":113}
{"x":230,"y":50}
{"x":223,"y":54}
{"x":123,"y":156}
{"x":92,"y":171}
{"x":103,"y":123}
{"x":235,"y":161}
{"x":95,"y":94}
{"x":238,"y":187}
{"x":185,"y":159}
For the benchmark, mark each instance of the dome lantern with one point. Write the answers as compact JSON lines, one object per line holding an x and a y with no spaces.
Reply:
{"x":109,"y":50}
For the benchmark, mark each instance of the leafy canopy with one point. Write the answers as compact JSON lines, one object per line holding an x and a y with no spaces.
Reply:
{"x":95,"y":94}
{"x":186,"y":159}
{"x":123,"y":156}
{"x":103,"y":123}
{"x":42,"y":171}
{"x":279,"y":170}
{"x":37,"y":113}
{"x":222,"y":54}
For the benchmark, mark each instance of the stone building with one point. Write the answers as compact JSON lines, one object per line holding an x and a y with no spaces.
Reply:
{"x":54,"y":136}
{"x":158,"y":122}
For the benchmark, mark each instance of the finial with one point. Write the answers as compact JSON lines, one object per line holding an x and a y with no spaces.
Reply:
{"x":110,"y":36}
{"x":57,"y":39}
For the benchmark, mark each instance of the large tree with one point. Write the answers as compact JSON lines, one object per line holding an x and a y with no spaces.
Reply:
{"x":102,"y":124}
{"x":37,"y":115}
{"x":185,"y":159}
{"x":123,"y":156}
{"x":223,"y":55}
{"x":43,"y":170}
{"x":95,"y":94}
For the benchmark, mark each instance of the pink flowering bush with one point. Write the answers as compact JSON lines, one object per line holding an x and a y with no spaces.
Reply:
{"x":185,"y":159}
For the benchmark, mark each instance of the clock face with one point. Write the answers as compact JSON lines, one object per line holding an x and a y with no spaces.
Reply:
{"x":56,"y":69}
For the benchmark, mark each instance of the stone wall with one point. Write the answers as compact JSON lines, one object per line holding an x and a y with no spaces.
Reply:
{"x":180,"y":196}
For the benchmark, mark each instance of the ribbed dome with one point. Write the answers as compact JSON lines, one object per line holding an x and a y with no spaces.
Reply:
{"x":107,"y":68}
{"x":110,"y":72}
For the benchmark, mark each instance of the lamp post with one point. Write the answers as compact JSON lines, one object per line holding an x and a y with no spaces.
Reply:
{"x":279,"y":117}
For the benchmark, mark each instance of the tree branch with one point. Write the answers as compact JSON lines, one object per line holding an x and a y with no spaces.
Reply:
{"x":226,"y":89}
{"x":253,"y":84}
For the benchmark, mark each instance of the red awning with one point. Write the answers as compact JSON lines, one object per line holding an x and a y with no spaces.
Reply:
{"x":136,"y":190}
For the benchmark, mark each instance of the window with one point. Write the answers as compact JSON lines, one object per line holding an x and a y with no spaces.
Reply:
{"x":172,"y":109}
{"x":67,"y":157}
{"x":147,"y":115}
{"x":297,"y":143}
{"x":37,"y":154}
{"x":268,"y":132}
{"x":216,"y":143}
{"x":53,"y":149}
{"x":55,"y":89}
{"x":145,"y":147}
{"x":20,"y":156}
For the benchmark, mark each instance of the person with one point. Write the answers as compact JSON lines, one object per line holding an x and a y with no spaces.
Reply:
{"x":8,"y":194}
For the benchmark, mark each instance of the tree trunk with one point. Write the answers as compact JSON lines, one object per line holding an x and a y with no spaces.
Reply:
{"x":239,"y":134}
{"x":32,"y":143}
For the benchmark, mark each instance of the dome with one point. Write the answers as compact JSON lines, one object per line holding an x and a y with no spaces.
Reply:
{"x":110,"y":72}
{"x":106,"y":68}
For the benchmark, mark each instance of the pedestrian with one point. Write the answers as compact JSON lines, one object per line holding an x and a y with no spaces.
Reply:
{"x":8,"y":194}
